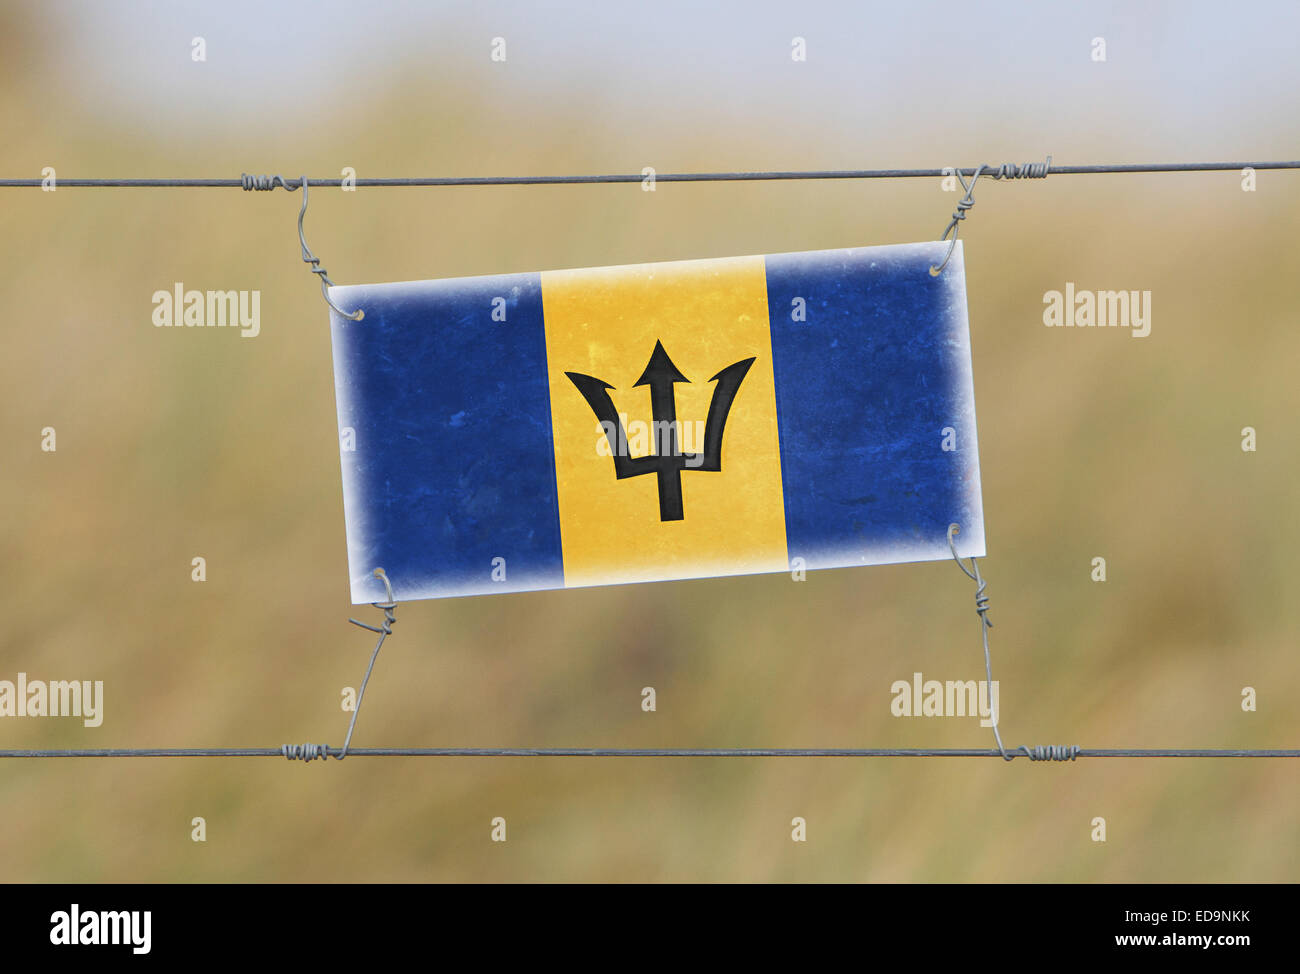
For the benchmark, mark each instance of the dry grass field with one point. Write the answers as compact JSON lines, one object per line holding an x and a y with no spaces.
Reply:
{"x":173,"y":443}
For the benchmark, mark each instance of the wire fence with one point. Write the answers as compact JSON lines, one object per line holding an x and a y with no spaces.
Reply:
{"x":1053,"y":754}
{"x":1007,"y":171}
{"x":313,"y":752}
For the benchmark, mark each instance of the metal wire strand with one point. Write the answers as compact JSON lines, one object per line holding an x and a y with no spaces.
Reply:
{"x":313,"y":752}
{"x":668,"y":177}
{"x":1008,"y":170}
{"x":959,"y":214}
{"x":1052,"y":753}
{"x":981,"y":607}
{"x":251,"y":182}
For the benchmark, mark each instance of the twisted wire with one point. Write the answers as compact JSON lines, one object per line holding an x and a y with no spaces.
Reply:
{"x":385,"y":629}
{"x":313,"y":752}
{"x":959,"y":214}
{"x":306,"y":752}
{"x":1028,"y":170}
{"x":1008,"y":170}
{"x":1051,"y":752}
{"x":264,"y":183}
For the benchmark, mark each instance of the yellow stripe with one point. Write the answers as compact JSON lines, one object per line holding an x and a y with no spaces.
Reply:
{"x":604,"y":323}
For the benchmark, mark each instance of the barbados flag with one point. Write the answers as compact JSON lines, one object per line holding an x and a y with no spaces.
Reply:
{"x":656,"y":421}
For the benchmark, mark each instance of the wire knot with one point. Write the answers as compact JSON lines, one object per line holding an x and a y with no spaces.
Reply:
{"x":313,"y":752}
{"x":963,"y":204}
{"x":385,"y":629}
{"x":309,"y":258}
{"x":973,"y":573}
{"x":1049,"y":752}
{"x":390,"y":618}
{"x":1008,"y":170}
{"x":982,"y":602}
{"x":305,"y":752}
{"x":1028,"y":170}
{"x":262,"y":183}
{"x":982,"y":607}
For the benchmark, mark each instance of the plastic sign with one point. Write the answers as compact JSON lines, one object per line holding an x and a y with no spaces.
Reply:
{"x":656,"y":421}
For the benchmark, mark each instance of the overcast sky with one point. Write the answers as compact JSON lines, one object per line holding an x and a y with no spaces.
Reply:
{"x":1181,"y":79}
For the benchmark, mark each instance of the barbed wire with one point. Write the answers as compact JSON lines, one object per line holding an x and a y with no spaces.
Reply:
{"x":1009,"y":170}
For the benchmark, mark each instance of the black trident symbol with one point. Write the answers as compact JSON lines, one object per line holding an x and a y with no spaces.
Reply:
{"x":668,"y":461}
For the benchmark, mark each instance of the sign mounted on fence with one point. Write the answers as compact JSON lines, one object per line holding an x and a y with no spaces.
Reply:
{"x":656,"y":421}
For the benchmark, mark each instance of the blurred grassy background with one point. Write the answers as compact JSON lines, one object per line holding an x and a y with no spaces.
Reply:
{"x":174,"y":443}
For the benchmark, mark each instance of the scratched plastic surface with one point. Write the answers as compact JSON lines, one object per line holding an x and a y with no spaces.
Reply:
{"x":814,"y":410}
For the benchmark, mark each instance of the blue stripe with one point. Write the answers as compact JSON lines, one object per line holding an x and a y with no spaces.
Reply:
{"x":864,"y":388}
{"x":454,"y":463}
